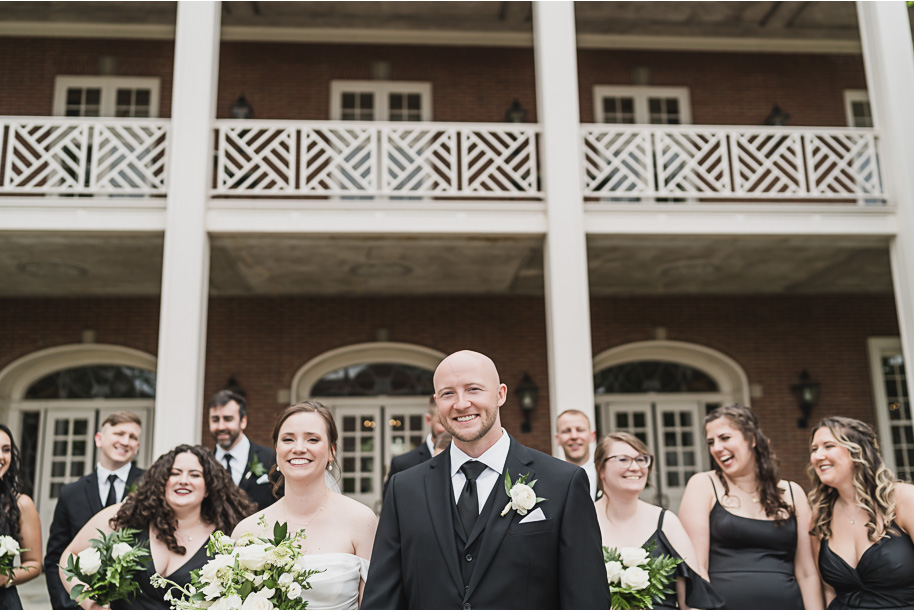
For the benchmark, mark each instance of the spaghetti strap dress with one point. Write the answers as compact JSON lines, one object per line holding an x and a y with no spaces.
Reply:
{"x":149,"y":597}
{"x":750,"y":561}
{"x":883,"y":578}
{"x":699,"y":593}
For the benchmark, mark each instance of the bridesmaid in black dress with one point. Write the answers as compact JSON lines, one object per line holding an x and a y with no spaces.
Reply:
{"x":19,"y":519}
{"x":182,"y":499}
{"x":623,"y":464}
{"x":750,"y":529}
{"x":862,"y":519}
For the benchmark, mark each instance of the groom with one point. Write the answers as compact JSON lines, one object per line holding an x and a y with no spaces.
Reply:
{"x":443,"y":540}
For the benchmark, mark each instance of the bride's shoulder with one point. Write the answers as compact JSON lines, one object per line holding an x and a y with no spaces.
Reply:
{"x":351,"y":508}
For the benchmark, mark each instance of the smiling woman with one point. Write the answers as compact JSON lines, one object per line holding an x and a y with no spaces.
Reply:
{"x":199,"y":497}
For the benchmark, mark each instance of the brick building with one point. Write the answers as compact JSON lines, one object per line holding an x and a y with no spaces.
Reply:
{"x":647,"y":210}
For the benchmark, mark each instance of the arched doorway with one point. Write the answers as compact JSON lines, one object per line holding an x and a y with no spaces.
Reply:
{"x":54,"y":401}
{"x":379,"y":394}
{"x":660,"y":391}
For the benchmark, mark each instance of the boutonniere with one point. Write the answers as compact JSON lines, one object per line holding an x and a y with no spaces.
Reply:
{"x":256,"y":468}
{"x":131,"y":488}
{"x":521,"y":494}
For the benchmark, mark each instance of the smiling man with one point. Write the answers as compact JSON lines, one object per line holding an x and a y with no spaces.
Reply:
{"x":118,"y":442}
{"x":574,"y":435}
{"x":451,"y":537}
{"x":247,"y":462}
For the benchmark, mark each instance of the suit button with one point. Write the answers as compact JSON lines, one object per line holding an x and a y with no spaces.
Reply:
{"x":467,"y":606}
{"x":469,"y":557}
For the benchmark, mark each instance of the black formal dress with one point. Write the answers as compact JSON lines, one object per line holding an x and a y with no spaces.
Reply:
{"x":422,"y":557}
{"x":883,"y":578}
{"x":699,"y":593}
{"x":78,"y":502}
{"x":751,"y":561}
{"x":149,"y":597}
{"x":418,"y":455}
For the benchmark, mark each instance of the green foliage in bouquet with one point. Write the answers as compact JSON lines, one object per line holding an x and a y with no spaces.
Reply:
{"x":255,"y":572}
{"x":107,"y":568}
{"x":636,"y":579}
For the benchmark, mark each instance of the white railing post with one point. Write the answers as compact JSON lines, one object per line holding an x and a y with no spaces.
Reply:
{"x":185,"y":269}
{"x":568,"y":341}
{"x":888,"y":58}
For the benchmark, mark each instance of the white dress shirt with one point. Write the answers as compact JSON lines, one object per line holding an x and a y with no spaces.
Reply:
{"x":430,"y":443}
{"x":239,"y":457}
{"x":494,"y":459}
{"x":120,"y":485}
{"x":591,"y":470}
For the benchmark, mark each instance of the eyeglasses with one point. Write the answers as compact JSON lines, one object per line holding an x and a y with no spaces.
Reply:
{"x":643,"y":461}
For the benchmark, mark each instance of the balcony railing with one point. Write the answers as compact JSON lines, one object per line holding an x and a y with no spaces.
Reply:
{"x":709,"y":162}
{"x":47,"y":155}
{"x":385,"y":159}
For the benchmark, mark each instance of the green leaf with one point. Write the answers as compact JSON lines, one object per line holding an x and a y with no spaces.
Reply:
{"x":279,"y":533}
{"x":246,"y":589}
{"x":508,"y":483}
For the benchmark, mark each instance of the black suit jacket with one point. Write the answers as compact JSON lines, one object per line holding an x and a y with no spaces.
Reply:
{"x":78,"y":502}
{"x":261,"y":494}
{"x":553,"y":563}
{"x":418,"y":455}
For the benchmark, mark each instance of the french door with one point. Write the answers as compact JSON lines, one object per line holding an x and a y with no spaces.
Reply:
{"x":371,"y":432}
{"x":672,"y":429}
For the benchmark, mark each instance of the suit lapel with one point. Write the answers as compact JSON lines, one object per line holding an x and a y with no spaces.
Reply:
{"x":440,"y":497}
{"x":90,"y":487}
{"x":517,"y":464}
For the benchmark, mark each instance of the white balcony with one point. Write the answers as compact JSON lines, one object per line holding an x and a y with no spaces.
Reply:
{"x":376,"y":159}
{"x":638,"y":162}
{"x":86,"y":157}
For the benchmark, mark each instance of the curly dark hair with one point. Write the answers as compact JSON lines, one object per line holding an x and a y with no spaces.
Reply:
{"x":10,"y":489}
{"x":766,"y":462}
{"x":224,"y":505}
{"x":332,"y":435}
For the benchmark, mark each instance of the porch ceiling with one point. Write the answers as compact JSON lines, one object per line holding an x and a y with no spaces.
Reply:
{"x":807,"y":20}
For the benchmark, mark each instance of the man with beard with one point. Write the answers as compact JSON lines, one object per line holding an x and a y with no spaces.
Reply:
{"x":574,"y":435}
{"x":248,"y":463}
{"x":451,"y":536}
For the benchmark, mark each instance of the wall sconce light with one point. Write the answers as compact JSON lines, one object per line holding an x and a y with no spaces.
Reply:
{"x":807,"y":394}
{"x":528,"y":394}
{"x":777,"y":116}
{"x":516,"y":113}
{"x":241,"y":109}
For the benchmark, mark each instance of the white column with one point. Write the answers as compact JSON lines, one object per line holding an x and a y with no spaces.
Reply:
{"x":888,"y":57}
{"x":185,"y":269}
{"x":567,"y":293}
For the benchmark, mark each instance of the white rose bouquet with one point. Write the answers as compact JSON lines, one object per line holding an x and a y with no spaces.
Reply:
{"x":252,"y":573}
{"x":9,"y":555}
{"x":106,"y":569}
{"x":636,"y":579}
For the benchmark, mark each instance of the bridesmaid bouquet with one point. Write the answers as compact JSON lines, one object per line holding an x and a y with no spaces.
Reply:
{"x":252,"y":573}
{"x":107,"y":568}
{"x":9,"y":555}
{"x":636,"y":579}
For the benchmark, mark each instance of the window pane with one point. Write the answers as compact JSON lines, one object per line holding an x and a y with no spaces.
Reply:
{"x":61,"y":427}
{"x":366,"y":100}
{"x":396,"y":101}
{"x":93,"y":97}
{"x":142,"y":97}
{"x":58,"y":469}
{"x":413,"y":102}
{"x":348,"y":100}
{"x":123,"y":97}
{"x":74,"y":96}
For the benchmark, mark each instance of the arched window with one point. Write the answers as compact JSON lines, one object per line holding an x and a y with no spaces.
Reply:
{"x":370,"y":379}
{"x":653,"y":376}
{"x":95,"y":381}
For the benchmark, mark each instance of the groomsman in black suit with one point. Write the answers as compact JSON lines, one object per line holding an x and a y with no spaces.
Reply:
{"x":118,"y":442}
{"x":421,"y":453}
{"x":249,"y":463}
{"x":451,"y":537}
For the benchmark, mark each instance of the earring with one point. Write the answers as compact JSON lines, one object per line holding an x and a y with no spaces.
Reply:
{"x":329,"y":466}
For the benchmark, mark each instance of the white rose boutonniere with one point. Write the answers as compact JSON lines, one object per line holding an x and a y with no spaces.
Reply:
{"x":521,"y":495}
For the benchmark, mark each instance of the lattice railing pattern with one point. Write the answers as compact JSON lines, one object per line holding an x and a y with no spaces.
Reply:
{"x":628,"y":162}
{"x":44,"y":155}
{"x":386,"y":159}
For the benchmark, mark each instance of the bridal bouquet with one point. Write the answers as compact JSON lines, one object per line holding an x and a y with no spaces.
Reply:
{"x":106,"y":569}
{"x":9,"y":555}
{"x":253,"y":573}
{"x":636,"y":579}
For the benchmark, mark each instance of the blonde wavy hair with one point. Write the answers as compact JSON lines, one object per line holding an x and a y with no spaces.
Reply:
{"x":874,"y":483}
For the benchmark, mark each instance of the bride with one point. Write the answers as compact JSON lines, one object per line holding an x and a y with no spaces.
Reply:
{"x":339,"y":532}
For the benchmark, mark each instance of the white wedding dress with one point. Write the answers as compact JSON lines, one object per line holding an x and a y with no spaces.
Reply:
{"x":337,"y":587}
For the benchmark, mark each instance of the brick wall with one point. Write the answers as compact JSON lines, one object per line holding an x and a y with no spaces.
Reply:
{"x":292,"y":81}
{"x":262,"y":342}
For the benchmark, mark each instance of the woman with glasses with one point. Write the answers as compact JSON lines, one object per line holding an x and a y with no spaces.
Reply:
{"x":749,"y":527}
{"x":623,"y":465}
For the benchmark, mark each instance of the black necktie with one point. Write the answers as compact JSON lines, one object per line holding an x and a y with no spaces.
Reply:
{"x":228,"y":464}
{"x":112,"y":494}
{"x":468,"y":504}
